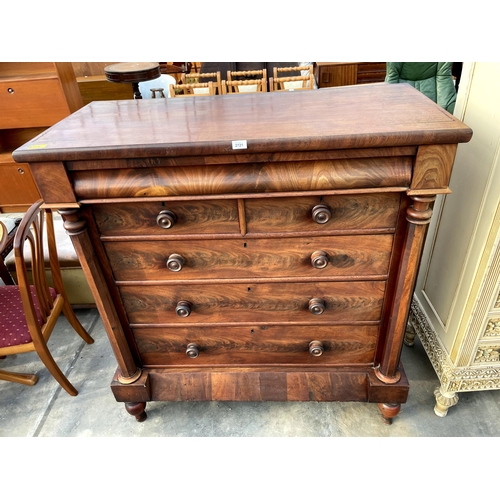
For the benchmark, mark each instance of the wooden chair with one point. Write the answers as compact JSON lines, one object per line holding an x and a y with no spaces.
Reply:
{"x":192,"y":89}
{"x":4,"y":235}
{"x":6,"y":245}
{"x":30,"y":309}
{"x":305,"y":81}
{"x":238,"y":82}
{"x":214,"y":77}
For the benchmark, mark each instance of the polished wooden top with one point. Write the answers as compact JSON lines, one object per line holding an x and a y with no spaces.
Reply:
{"x":134,"y":72}
{"x":364,"y":116}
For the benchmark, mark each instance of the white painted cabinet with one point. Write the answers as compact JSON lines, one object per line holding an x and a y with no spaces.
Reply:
{"x":456,"y":306}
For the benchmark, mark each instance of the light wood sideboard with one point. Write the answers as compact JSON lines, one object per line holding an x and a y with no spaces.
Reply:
{"x":34,"y":96}
{"x":258,"y":247}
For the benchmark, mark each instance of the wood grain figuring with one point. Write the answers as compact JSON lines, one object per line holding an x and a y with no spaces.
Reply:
{"x":332,"y":121}
{"x":265,"y":177}
{"x":255,"y":258}
{"x":92,"y":268}
{"x":433,"y":167}
{"x":272,"y":302}
{"x":242,"y":217}
{"x":279,"y":272}
{"x":193,"y":217}
{"x":228,"y":158}
{"x":243,"y":345}
{"x":259,"y":386}
{"x":52,"y":181}
{"x":348,"y":212}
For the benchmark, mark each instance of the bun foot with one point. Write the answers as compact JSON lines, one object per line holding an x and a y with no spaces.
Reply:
{"x":137,"y":410}
{"x":389,"y":411}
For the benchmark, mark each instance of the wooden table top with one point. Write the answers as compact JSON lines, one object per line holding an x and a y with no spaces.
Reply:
{"x":362,"y":116}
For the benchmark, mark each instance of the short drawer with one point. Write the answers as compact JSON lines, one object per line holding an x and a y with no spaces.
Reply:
{"x":167,"y":218}
{"x":243,"y":345}
{"x":321,"y":257}
{"x":322,"y":213}
{"x":254,"y":302}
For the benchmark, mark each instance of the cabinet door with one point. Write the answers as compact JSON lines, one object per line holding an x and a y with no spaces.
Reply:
{"x":337,"y":75}
{"x":18,"y":190}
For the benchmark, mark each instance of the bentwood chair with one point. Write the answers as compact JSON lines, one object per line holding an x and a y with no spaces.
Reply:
{"x":8,"y":230}
{"x":30,"y":309}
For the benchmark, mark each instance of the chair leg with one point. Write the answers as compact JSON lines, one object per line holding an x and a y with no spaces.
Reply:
{"x":56,"y":372}
{"x":19,"y":378}
{"x":73,"y":320}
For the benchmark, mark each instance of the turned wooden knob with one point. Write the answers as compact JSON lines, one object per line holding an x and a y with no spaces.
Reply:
{"x":175,"y":262}
{"x":316,"y":348}
{"x":321,"y":214}
{"x":183,"y":308}
{"x":192,"y":351}
{"x":319,"y":259}
{"x":166,"y":219}
{"x":317,"y":306}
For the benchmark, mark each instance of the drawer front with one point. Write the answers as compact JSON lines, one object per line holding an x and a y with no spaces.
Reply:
{"x":36,"y":103}
{"x":321,"y":257}
{"x":254,"y":302}
{"x":256,"y":344}
{"x":190,"y":217}
{"x":150,"y":178}
{"x":343,"y":212}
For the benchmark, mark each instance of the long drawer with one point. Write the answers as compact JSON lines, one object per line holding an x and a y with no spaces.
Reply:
{"x":322,"y":257}
{"x":262,"y":215}
{"x":242,"y":345}
{"x":149,"y":179}
{"x":317,"y":303}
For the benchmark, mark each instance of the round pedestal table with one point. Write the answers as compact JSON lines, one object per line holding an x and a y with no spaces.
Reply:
{"x":133,"y":73}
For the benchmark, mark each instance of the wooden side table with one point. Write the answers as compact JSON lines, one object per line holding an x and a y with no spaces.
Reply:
{"x":133,"y":73}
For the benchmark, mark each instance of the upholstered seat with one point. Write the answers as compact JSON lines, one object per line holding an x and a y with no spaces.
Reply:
{"x":13,"y":326}
{"x":29,"y":310}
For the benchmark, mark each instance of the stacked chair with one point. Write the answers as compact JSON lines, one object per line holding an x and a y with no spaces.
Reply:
{"x":245,"y":82}
{"x":285,"y":83}
{"x":192,"y":89}
{"x":214,"y":77}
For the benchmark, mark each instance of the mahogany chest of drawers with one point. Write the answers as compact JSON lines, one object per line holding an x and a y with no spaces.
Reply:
{"x":258,"y":247}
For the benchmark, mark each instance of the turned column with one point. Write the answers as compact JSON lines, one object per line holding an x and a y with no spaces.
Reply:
{"x":418,"y":216}
{"x":76,"y":226}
